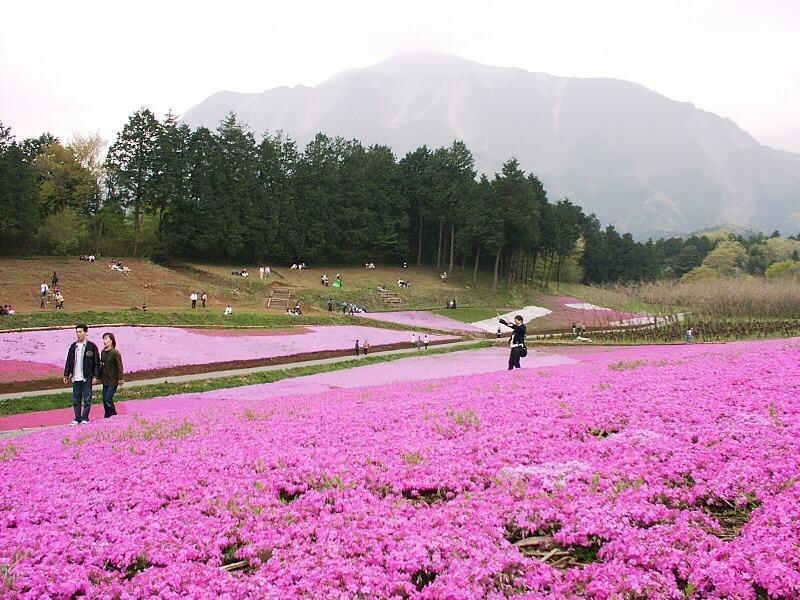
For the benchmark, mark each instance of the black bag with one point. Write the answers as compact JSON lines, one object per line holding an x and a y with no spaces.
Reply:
{"x":523,"y":352}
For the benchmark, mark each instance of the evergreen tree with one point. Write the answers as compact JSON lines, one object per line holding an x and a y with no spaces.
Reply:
{"x":132,"y":168}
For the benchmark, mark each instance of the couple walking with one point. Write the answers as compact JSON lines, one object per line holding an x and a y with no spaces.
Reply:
{"x":85,"y":365}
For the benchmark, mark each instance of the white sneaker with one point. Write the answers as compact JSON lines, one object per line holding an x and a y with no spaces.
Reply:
{"x":86,"y":422}
{"x":74,"y":423}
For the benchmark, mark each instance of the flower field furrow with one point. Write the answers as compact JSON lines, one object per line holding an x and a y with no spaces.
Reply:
{"x":147,"y":348}
{"x":674,"y":477}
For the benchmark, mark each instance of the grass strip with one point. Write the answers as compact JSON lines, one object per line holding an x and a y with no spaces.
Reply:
{"x":28,"y":404}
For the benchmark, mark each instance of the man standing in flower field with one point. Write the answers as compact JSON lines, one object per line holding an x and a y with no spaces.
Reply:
{"x":517,"y":341}
{"x":82,"y":365}
{"x":193,"y":298}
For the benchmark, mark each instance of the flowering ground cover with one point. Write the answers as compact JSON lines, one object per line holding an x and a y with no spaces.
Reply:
{"x":420,"y":367}
{"x":149,"y":348}
{"x":672,"y":475}
{"x":420,"y":318}
{"x":13,"y":371}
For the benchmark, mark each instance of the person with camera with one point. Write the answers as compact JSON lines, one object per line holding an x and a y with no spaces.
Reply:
{"x":517,"y":341}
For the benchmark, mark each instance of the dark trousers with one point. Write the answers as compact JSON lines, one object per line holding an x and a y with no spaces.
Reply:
{"x":82,"y":399}
{"x":194,"y":303}
{"x":108,"y":400}
{"x":513,"y":358}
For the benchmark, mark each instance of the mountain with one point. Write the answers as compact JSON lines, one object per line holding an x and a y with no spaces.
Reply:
{"x":645,"y":163}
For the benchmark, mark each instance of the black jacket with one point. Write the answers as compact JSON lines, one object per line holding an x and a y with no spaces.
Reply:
{"x":519,"y":332}
{"x":91,"y":361}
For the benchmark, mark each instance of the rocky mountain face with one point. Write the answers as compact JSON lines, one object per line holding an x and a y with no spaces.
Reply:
{"x":645,"y":163}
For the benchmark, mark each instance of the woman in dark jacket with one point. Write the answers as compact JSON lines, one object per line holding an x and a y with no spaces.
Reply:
{"x":111,"y":374}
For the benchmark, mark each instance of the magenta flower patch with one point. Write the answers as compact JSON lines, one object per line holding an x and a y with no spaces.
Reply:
{"x":147,"y":348}
{"x":673,"y":474}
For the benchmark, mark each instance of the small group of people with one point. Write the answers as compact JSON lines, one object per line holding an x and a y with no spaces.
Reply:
{"x":264,"y":272}
{"x":85,"y":365}
{"x":369,"y":265}
{"x":403,"y":283}
{"x":116,"y":265}
{"x":193,"y":297}
{"x":241,"y":273}
{"x":297,"y":310}
{"x":452,"y":303}
{"x":87,"y":257}
{"x":347,"y":308}
{"x":419,"y":341}
{"x":47,"y":293}
{"x":364,"y":348}
{"x":298,"y":266}
{"x":7,"y":309}
{"x":578,"y":329}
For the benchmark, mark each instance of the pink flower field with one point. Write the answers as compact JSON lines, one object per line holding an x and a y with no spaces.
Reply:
{"x":147,"y":348}
{"x":421,"y":318}
{"x":670,"y":473}
{"x":13,"y":371}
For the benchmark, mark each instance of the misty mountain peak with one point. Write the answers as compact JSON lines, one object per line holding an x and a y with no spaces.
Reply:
{"x":646,"y":163}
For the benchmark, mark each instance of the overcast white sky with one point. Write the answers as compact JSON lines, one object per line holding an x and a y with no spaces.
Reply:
{"x":84,"y":66}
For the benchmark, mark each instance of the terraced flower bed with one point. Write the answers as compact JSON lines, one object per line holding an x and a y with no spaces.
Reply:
{"x":677,"y":476}
{"x":149,"y":349}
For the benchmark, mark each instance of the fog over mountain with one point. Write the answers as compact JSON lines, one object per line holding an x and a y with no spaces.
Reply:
{"x":647,"y":164}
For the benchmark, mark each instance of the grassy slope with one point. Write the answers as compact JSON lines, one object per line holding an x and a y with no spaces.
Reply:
{"x":95,"y":294}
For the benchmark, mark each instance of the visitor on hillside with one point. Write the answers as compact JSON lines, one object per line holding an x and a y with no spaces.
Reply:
{"x":228,"y":311}
{"x":365,"y":347}
{"x":43,"y":294}
{"x":455,"y":305}
{"x":443,"y":276}
{"x":574,"y":329}
{"x":581,"y":328}
{"x":688,"y":336}
{"x":330,"y":305}
{"x":425,"y":341}
{"x":82,"y":365}
{"x":193,"y":298}
{"x":261,"y":272}
{"x":144,"y":307}
{"x":112,"y":374}
{"x":405,"y":265}
{"x":357,"y":349}
{"x":324,"y":279}
{"x":293,"y":267}
{"x":54,"y":279}
{"x":414,"y":341}
{"x":245,"y":273}
{"x":59,"y":301}
{"x":203,"y":298}
{"x":267,"y":271}
{"x":517,"y":341}
{"x":297,"y":309}
{"x":4,"y":310}
{"x":337,"y":283}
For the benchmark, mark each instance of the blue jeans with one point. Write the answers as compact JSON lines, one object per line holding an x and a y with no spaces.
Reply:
{"x":82,"y":393}
{"x":108,"y":400}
